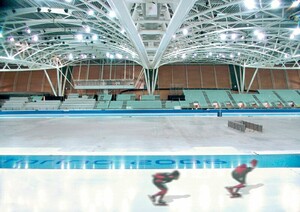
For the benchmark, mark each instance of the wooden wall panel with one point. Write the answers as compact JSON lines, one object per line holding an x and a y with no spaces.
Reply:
{"x":188,"y":76}
{"x":208,"y":77}
{"x":22,"y":81}
{"x":119,"y":72}
{"x":136,"y":72}
{"x":79,"y":73}
{"x":2,"y":75}
{"x":293,"y":79}
{"x":7,"y":83}
{"x":248,"y":77}
{"x":165,"y":77}
{"x":94,"y":72}
{"x":113,"y":72}
{"x":107,"y":72}
{"x":129,"y":71}
{"x":280,"y":81}
{"x":75,"y":73}
{"x":193,"y":77}
{"x":46,"y":85}
{"x":36,"y":81}
{"x":179,"y":76}
{"x":265,"y":79}
{"x":84,"y":74}
{"x":163,"y":94}
{"x":223,"y":76}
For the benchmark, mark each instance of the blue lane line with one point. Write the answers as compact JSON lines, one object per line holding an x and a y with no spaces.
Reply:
{"x":145,"y":161}
{"x":165,"y":112}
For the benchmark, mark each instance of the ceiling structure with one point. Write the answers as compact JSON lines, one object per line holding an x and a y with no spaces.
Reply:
{"x":47,"y":34}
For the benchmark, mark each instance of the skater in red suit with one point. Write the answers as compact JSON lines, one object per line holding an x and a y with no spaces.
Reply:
{"x":239,"y":174}
{"x":160,"y":180}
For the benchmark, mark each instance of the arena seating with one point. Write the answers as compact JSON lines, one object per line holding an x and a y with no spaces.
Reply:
{"x":289,"y":96}
{"x":192,"y":96}
{"x":194,"y":99}
{"x":43,"y":105}
{"x":126,"y":97}
{"x":102,"y":105}
{"x":150,"y":104}
{"x":15,"y":103}
{"x":150,"y":97}
{"x":172,"y":104}
{"x":78,"y":104}
{"x":116,"y":105}
{"x":104,"y":97}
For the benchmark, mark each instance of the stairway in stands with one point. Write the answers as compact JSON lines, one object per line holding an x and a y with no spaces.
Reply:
{"x":232,"y":99}
{"x":207,"y":99}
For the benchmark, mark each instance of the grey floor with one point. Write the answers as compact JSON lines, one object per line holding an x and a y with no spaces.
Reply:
{"x":269,"y":189}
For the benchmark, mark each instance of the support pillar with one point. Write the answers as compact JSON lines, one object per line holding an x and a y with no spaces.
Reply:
{"x":151,"y":79}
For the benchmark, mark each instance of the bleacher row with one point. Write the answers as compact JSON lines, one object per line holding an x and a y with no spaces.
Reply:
{"x":194,"y":99}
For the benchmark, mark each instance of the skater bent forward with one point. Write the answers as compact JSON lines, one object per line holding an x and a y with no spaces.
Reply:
{"x":239,"y":174}
{"x":160,"y":180}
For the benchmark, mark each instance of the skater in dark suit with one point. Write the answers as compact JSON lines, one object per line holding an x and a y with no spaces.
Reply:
{"x":240,"y":174}
{"x":160,"y":180}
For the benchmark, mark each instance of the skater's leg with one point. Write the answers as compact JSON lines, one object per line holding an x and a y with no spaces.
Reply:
{"x":229,"y":189}
{"x":241,"y":179}
{"x":162,"y":194}
{"x":238,"y":187}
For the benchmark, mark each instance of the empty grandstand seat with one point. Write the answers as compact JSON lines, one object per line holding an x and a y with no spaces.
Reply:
{"x":144,"y":104}
{"x":125,"y":97}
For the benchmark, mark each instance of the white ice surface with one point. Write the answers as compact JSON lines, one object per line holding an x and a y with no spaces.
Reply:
{"x":268,"y":190}
{"x":147,"y":135}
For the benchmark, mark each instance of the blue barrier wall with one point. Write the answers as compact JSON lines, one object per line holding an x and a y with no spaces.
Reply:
{"x":145,"y":161}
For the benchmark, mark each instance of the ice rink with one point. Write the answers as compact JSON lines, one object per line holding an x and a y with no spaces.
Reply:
{"x":106,"y":164}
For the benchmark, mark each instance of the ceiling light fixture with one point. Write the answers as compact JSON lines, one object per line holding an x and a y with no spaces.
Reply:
{"x":119,"y":56}
{"x":94,"y":37}
{"x":250,"y":4}
{"x":296,"y":31}
{"x":223,"y":36}
{"x":35,"y":38}
{"x":70,"y":56}
{"x":260,"y":36}
{"x":185,"y":31}
{"x":112,"y":14}
{"x":79,"y":36}
{"x":87,"y":29}
{"x":90,"y":12}
{"x":275,"y":4}
{"x":295,"y":3}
